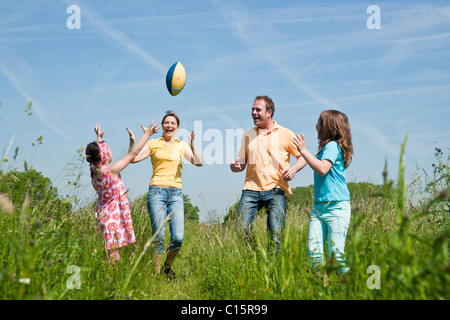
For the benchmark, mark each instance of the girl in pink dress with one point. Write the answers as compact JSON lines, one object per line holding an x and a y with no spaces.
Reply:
{"x":113,"y":210}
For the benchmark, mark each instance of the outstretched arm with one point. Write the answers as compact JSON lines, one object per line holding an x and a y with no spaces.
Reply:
{"x":143,"y":154}
{"x":145,"y":151}
{"x":321,"y":167}
{"x":121,"y":164}
{"x":192,"y":154}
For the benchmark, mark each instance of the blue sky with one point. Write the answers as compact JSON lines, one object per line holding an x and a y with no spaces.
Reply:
{"x":308,"y":56}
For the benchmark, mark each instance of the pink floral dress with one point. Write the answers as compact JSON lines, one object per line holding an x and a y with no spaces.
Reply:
{"x":113,"y":212}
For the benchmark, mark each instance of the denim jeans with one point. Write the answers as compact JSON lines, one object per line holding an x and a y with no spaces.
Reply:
{"x":160,"y":203}
{"x":275,"y":203}
{"x":329,"y":220}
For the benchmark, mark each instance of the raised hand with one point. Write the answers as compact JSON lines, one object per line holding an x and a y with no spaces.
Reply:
{"x":191,"y":139}
{"x":152,"y":129}
{"x":131,"y":134}
{"x":299,"y":142}
{"x":98,"y":132}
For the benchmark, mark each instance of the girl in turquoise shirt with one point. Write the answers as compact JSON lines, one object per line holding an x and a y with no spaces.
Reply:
{"x":330,"y":215}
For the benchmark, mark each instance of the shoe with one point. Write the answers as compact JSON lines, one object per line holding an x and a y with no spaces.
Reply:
{"x":169,"y":273}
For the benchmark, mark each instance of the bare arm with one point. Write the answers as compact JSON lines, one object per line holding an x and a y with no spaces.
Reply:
{"x":192,"y":154}
{"x":145,"y":151}
{"x":321,"y":167}
{"x":131,"y":134}
{"x":121,"y":164}
{"x":143,"y":154}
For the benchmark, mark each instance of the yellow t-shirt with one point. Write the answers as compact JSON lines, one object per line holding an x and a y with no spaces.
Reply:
{"x":167,"y":163}
{"x":267,"y":154}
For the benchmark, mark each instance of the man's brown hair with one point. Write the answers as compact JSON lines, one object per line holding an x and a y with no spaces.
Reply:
{"x":269,"y":103}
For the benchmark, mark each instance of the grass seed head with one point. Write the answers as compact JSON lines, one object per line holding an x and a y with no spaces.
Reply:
{"x":443,"y":195}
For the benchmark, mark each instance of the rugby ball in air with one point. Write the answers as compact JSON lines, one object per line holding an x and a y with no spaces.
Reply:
{"x":176,"y":78}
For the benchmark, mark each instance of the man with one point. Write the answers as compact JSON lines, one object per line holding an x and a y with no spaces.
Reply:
{"x":265,"y":152}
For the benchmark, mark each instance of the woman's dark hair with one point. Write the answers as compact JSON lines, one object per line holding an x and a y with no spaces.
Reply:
{"x":93,"y":156}
{"x":170,"y":113}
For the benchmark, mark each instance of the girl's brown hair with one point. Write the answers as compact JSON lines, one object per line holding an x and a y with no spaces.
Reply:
{"x":334,"y":126}
{"x":93,"y":156}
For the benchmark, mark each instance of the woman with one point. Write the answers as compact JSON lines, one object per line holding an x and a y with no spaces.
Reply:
{"x":165,"y":197}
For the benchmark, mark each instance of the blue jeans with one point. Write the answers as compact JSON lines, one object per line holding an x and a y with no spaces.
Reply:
{"x":329,"y":220}
{"x":275,"y":203}
{"x":160,"y":203}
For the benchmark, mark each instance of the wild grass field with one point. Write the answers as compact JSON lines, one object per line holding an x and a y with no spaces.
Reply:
{"x":397,"y":247}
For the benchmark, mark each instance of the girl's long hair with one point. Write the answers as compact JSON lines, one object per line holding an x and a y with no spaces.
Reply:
{"x":334,"y":126}
{"x":93,"y":156}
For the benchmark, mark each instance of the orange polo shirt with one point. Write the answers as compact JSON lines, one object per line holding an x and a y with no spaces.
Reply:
{"x":267,"y":154}
{"x":167,"y":162}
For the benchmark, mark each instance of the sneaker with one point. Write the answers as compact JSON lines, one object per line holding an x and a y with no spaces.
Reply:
{"x":169,"y":273}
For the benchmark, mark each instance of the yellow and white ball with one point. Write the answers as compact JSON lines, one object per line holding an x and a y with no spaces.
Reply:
{"x":176,"y":78}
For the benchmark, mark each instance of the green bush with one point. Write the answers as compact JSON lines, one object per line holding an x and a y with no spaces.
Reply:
{"x":31,"y":186}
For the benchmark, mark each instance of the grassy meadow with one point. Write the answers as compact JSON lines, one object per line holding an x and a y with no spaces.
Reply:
{"x":397,"y":247}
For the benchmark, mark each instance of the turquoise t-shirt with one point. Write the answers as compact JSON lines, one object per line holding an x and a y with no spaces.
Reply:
{"x":331,"y":186}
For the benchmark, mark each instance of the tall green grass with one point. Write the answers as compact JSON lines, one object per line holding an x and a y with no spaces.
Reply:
{"x":46,"y":237}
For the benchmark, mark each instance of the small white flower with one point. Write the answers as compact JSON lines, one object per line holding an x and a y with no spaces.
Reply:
{"x":25,"y":280}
